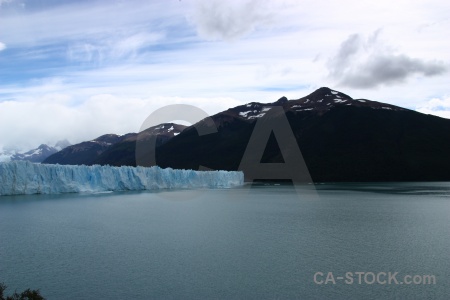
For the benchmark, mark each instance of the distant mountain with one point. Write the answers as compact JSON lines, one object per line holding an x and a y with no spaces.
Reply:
{"x":123,"y":152}
{"x":86,"y":152}
{"x":39,"y":154}
{"x":109,"y":147}
{"x":5,"y":154}
{"x":340,"y":138}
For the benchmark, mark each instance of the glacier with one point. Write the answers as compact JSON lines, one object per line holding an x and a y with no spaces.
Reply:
{"x":21,"y":177}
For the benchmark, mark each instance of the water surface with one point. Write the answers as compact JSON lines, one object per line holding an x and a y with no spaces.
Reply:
{"x":261,"y":243}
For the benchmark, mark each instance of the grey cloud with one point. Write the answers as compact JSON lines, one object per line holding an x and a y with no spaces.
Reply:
{"x":229,"y":20}
{"x":342,"y":60}
{"x":389,"y":70}
{"x":377,"y":66}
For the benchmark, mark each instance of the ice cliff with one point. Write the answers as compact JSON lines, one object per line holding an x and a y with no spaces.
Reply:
{"x":28,"y":178}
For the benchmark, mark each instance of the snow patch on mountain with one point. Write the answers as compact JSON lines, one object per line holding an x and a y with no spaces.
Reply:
{"x":38,"y":154}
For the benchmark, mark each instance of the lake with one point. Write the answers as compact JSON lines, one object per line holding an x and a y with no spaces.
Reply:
{"x":263,"y":242}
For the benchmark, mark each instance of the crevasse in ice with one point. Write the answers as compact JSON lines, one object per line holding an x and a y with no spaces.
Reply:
{"x":21,"y":177}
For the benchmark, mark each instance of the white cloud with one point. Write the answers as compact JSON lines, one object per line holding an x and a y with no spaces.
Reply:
{"x":86,"y":20}
{"x":133,"y":43}
{"x":53,"y":117}
{"x":112,"y":48}
{"x":436,"y":106}
{"x":2,"y":46}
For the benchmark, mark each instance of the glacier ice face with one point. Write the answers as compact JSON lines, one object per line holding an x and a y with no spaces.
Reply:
{"x":21,"y":177}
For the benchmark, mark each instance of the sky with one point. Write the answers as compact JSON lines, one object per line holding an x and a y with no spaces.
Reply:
{"x":78,"y":69}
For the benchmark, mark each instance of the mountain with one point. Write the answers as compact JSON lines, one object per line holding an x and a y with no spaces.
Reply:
{"x":340,"y":138}
{"x":84,"y":153}
{"x":109,"y":146}
{"x":123,"y":153}
{"x":35,"y":155}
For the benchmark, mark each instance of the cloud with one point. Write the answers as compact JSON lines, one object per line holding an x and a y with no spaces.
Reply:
{"x":5,"y":1}
{"x":56,"y":116}
{"x":72,"y":21}
{"x":2,"y":46}
{"x":229,"y":20}
{"x":133,"y":43}
{"x":110,"y":48}
{"x":348,"y":48}
{"x":368,"y":63}
{"x":436,"y":106}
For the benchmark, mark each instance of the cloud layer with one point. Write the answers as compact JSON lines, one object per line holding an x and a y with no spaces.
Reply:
{"x":53,"y":117}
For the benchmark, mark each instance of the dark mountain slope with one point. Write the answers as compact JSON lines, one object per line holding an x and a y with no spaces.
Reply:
{"x":123,"y":152}
{"x":112,"y":149}
{"x":360,"y":144}
{"x":84,"y":153}
{"x":341,"y":139}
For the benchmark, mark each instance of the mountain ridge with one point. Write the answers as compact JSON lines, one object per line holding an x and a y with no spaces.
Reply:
{"x":35,"y":155}
{"x":340,"y":138}
{"x":90,"y":152}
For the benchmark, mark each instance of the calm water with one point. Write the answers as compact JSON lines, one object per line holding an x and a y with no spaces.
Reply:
{"x":263,"y":243}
